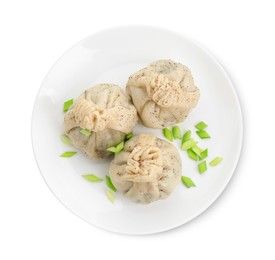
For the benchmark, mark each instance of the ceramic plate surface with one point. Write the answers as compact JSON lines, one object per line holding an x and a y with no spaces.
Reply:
{"x":110,"y":56}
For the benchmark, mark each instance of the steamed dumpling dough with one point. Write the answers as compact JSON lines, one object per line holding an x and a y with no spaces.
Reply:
{"x":148,"y":169}
{"x":163,"y":93}
{"x":107,"y":113}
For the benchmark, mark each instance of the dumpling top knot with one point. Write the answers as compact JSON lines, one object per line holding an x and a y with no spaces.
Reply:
{"x":164,"y":91}
{"x":89,"y":115}
{"x":144,"y":164}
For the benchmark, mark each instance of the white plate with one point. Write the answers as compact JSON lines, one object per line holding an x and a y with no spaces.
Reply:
{"x":111,"y":56}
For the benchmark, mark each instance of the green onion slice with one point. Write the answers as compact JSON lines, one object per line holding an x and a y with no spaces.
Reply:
{"x":197,"y":150}
{"x":111,"y":149}
{"x":176,"y":132}
{"x":167,"y":133}
{"x":192,"y":155}
{"x":65,"y":139}
{"x":187,"y":182}
{"x":188,"y":144}
{"x":128,"y":137}
{"x":204,"y":154}
{"x":201,"y":125}
{"x":86,"y":132}
{"x":116,"y":149}
{"x":186,"y":136}
{"x":202,"y":167}
{"x":68,"y":154}
{"x":67,"y":105}
{"x":110,"y":184}
{"x":111,"y":197}
{"x":203,"y":134}
{"x":216,"y":161}
{"x":119,"y":147}
{"x":91,"y":178}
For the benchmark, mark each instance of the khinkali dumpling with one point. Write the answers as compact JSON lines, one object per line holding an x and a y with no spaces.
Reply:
{"x":147,"y":169}
{"x":107,"y":113}
{"x":163,"y":93}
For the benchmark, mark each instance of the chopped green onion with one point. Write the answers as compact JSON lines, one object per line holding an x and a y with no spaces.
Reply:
{"x":197,"y":150}
{"x":119,"y":147}
{"x":203,"y":134}
{"x":68,"y":154}
{"x":176,"y":132}
{"x":188,"y":144}
{"x":91,"y":178}
{"x":67,"y":105}
{"x":86,"y":132}
{"x":111,"y":197}
{"x":187,"y":182}
{"x":111,"y":149}
{"x":65,"y":139}
{"x":128,"y":137}
{"x":216,"y":161}
{"x":202,"y":167}
{"x":204,"y":154}
{"x":186,"y":136}
{"x":192,"y":155}
{"x":109,"y":183}
{"x":201,"y":125}
{"x":116,"y":149}
{"x":167,"y":133}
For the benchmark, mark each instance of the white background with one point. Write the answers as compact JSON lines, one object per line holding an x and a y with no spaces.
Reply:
{"x":35,"y":225}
